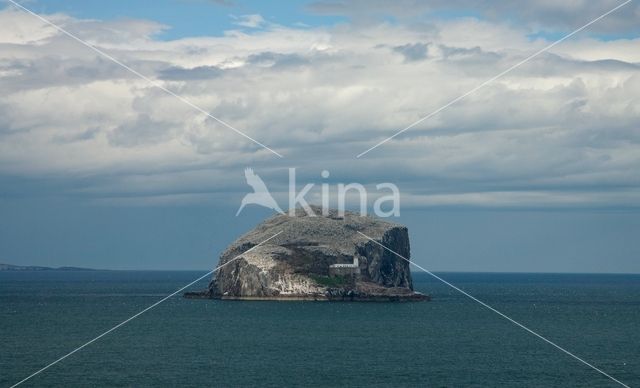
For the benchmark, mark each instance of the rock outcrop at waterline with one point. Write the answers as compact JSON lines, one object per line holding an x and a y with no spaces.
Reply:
{"x":316,"y":258}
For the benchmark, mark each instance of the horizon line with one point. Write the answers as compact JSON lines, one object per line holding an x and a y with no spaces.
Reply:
{"x":73,"y":268}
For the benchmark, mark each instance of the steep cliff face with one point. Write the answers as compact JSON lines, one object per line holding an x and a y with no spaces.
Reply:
{"x":296,"y":263}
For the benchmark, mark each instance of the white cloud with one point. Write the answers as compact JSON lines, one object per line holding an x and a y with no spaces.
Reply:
{"x":251,"y":21}
{"x":17,"y":27}
{"x":536,"y":15}
{"x":562,"y":128}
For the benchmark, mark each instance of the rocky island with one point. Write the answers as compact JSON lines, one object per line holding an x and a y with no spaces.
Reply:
{"x":319,"y":257}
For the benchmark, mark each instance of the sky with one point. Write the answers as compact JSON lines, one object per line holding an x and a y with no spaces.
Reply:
{"x":538,"y":171}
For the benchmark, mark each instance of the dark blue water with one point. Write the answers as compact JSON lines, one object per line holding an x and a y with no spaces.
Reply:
{"x":449,"y":342}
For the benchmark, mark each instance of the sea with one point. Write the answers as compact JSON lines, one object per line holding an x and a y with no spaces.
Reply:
{"x":452,"y":341}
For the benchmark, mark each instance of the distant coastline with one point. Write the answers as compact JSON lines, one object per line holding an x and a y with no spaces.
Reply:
{"x":25,"y":268}
{"x":31,"y":268}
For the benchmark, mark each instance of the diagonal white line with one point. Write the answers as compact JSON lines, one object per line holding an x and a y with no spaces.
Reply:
{"x":141,"y":312}
{"x":485,"y":83}
{"x":149,"y":80}
{"x":498,"y":312}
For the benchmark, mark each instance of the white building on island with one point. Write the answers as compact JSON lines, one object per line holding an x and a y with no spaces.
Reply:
{"x":345,"y":269}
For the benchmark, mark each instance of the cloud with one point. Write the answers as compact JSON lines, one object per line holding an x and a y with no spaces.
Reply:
{"x":226,"y":3}
{"x":272,"y":59}
{"x":412,"y":51}
{"x":538,"y":15}
{"x":141,"y":131}
{"x":17,"y":27}
{"x":560,"y":131}
{"x":176,"y":73}
{"x":250,"y":21}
